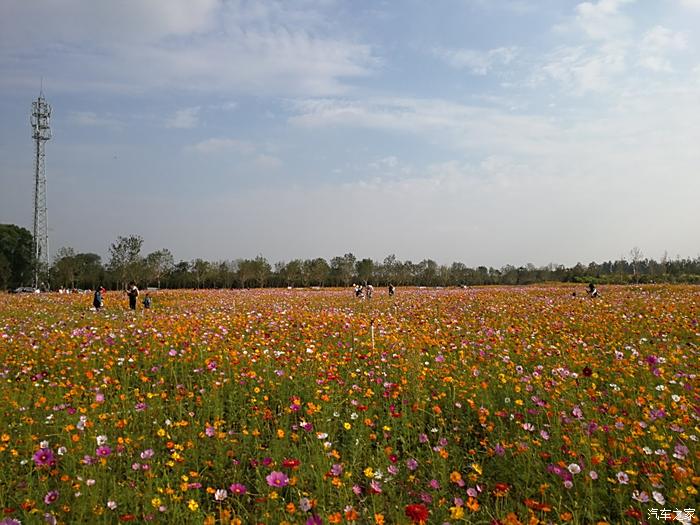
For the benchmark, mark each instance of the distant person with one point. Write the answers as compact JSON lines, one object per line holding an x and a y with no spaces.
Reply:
{"x":392,"y":290}
{"x":369,"y":289}
{"x":97,"y":299}
{"x":358,"y":290}
{"x":133,"y":292}
{"x":147,"y":301}
{"x":592,"y":291}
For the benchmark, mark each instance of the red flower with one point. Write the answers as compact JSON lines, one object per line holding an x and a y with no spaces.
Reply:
{"x":291,"y":463}
{"x":417,"y":512}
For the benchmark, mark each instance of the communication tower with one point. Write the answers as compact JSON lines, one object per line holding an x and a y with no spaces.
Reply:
{"x":41,"y":132}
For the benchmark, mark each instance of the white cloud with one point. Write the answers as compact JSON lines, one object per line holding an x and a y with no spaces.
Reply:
{"x":92,"y":119}
{"x":691,"y":4}
{"x":440,"y":122}
{"x":262,"y":47}
{"x":603,"y":20}
{"x":580,"y":70}
{"x":219,"y":145}
{"x":478,"y":62}
{"x":184,"y":119}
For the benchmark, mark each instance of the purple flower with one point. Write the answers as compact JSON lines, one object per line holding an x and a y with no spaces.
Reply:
{"x":103,"y":451}
{"x":238,"y":488}
{"x":44,"y":457}
{"x":50,"y":497}
{"x":10,"y":521}
{"x":277,"y":479}
{"x":210,"y":431}
{"x":336,"y":469}
{"x":305,"y":504}
{"x":499,"y":450}
{"x":147,"y":454}
{"x":622,"y":478}
{"x":412,"y":464}
{"x":314,"y":519}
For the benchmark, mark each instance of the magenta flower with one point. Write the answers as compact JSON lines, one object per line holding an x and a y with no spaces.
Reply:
{"x":103,"y":451}
{"x":412,"y":464}
{"x":50,"y":497}
{"x":44,"y":457}
{"x":277,"y":479}
{"x":238,"y":488}
{"x":314,"y":520}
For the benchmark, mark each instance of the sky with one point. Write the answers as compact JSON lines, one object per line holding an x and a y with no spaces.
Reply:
{"x":489,"y":132}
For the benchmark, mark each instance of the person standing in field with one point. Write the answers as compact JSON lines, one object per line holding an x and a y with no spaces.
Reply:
{"x":133,"y":292}
{"x":147,"y":301}
{"x":98,"y":300}
{"x":392,"y":290}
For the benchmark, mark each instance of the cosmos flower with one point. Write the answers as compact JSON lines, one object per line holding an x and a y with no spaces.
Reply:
{"x":277,"y":479}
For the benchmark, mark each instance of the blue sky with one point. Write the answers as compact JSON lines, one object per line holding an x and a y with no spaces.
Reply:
{"x":483,"y":131}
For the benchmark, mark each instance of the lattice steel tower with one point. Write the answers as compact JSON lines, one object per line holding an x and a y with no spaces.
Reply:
{"x":41,"y":132}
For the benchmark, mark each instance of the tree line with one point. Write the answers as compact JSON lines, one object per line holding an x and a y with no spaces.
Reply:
{"x":158,"y":269}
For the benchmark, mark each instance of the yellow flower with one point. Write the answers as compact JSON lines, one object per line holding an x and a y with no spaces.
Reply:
{"x":156,"y":502}
{"x":477,"y":468}
{"x":192,"y":505}
{"x":347,"y":426}
{"x":369,"y":472}
{"x":456,"y":513}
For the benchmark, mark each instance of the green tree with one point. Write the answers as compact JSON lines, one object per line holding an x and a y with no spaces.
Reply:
{"x":16,"y":258}
{"x":342,"y":269}
{"x":157,"y":264}
{"x":125,"y":258}
{"x":365,"y":270}
{"x":319,"y":270}
{"x":65,"y":268}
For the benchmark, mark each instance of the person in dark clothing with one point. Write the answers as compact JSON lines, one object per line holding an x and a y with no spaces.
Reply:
{"x":147,"y":301}
{"x":392,"y":290}
{"x":592,"y":290}
{"x":133,"y":292}
{"x":97,"y":300}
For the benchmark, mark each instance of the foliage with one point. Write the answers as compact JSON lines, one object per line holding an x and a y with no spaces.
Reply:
{"x":16,"y":257}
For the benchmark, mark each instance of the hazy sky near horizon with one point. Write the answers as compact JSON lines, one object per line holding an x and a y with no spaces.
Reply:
{"x":489,"y":132}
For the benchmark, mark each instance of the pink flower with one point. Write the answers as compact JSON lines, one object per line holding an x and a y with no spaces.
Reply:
{"x":50,"y":497}
{"x":44,"y":457}
{"x":238,"y":488}
{"x":622,"y":478}
{"x":103,"y":451}
{"x":277,"y":479}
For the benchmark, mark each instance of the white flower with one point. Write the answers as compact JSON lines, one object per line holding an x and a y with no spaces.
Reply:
{"x":101,"y":440}
{"x":574,"y":468}
{"x":658,"y":497}
{"x":111,"y":505}
{"x":44,"y":444}
{"x":220,"y":494}
{"x":676,"y":398}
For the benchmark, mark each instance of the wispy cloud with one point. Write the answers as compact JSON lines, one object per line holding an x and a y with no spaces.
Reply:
{"x":262,"y":47}
{"x":184,"y":119}
{"x":92,"y":119}
{"x":218,"y":145}
{"x":478,"y":62}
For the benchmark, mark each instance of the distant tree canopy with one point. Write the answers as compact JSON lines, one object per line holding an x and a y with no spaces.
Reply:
{"x":159,"y":269}
{"x":16,"y":257}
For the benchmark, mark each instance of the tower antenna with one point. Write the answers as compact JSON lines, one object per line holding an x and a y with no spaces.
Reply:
{"x":41,"y":132}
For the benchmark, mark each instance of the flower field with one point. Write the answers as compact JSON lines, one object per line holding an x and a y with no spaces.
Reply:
{"x":485,"y":405}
